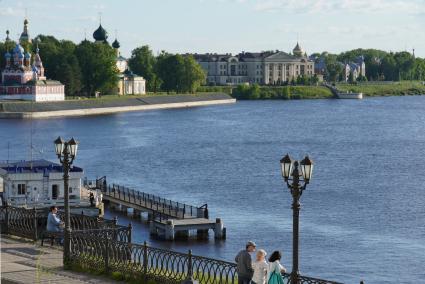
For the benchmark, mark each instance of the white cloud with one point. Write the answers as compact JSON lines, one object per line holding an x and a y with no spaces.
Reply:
{"x":411,"y":7}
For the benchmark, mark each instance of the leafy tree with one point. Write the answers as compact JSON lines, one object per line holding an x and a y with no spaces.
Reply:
{"x":193,"y":75}
{"x":60,"y":62}
{"x":142,"y":62}
{"x":98,"y":67}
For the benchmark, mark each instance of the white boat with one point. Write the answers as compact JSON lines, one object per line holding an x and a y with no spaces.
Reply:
{"x":347,"y":95}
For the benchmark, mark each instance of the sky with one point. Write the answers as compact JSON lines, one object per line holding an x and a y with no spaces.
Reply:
{"x":227,"y":26}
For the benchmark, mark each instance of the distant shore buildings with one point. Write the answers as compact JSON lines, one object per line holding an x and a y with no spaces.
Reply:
{"x":23,"y":78}
{"x":265,"y":68}
{"x":128,"y":83}
{"x":354,"y":69}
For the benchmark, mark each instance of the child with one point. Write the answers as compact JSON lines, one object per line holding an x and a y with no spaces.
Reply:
{"x":260,"y":268}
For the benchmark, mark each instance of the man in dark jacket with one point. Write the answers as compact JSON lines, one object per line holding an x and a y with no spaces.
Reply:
{"x":244,"y":264}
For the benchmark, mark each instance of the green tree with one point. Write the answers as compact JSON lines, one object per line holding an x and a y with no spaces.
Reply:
{"x":142,"y":62}
{"x":193,"y":75}
{"x":98,"y":67}
{"x":60,"y":62}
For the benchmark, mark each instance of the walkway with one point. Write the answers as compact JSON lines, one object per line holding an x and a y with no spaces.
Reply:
{"x":24,"y":262}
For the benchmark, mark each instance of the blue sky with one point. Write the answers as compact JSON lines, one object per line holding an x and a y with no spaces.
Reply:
{"x":229,"y":25}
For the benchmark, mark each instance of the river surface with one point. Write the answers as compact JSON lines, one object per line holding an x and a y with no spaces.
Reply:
{"x":362,"y":215}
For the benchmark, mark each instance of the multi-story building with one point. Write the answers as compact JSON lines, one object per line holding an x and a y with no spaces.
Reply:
{"x":267,"y":68}
{"x":356,"y":69}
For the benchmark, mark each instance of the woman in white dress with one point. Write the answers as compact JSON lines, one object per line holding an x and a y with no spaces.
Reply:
{"x":260,"y":267}
{"x":275,"y":269}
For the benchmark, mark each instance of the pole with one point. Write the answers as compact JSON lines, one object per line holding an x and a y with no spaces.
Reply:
{"x":67,"y":245}
{"x":295,"y":223}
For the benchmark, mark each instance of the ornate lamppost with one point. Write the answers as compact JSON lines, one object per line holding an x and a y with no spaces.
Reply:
{"x":66,"y":152}
{"x":290,"y":172}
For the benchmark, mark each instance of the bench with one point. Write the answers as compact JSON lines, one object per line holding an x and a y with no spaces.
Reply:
{"x":58,"y":236}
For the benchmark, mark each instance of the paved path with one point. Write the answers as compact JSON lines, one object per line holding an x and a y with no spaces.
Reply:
{"x":24,"y":262}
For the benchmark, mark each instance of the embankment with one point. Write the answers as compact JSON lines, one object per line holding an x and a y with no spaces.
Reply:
{"x":105,"y":105}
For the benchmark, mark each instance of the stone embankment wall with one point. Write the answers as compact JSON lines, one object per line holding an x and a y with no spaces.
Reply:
{"x":107,"y":106}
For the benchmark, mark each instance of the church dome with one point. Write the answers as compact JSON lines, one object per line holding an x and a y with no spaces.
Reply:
{"x":18,"y":49}
{"x":7,"y":55}
{"x":100,"y":34}
{"x":116,"y":44}
{"x":27,"y":55}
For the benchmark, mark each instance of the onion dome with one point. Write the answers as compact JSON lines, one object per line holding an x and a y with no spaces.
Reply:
{"x":21,"y":55}
{"x":7,"y":55}
{"x":27,"y":55}
{"x":116,"y":44}
{"x":100,"y":34}
{"x":7,"y":35}
{"x":18,"y":49}
{"x":34,"y":68}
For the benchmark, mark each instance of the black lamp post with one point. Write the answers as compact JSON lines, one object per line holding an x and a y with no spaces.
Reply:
{"x":290,"y":172}
{"x":66,"y":152}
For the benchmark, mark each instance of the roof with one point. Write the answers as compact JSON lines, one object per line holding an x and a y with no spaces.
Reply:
{"x":36,"y":166}
{"x":116,"y":44}
{"x":100,"y":34}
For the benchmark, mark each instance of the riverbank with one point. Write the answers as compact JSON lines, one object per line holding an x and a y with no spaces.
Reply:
{"x":384,"y":89}
{"x":369,"y":89}
{"x":107,"y":105}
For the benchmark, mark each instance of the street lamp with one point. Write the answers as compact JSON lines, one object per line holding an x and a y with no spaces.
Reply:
{"x":290,"y":172}
{"x":66,"y":152}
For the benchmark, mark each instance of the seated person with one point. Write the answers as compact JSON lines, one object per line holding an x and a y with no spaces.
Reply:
{"x":53,"y":222}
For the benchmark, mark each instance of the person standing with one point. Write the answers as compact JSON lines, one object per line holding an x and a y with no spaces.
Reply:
{"x":275,"y":270}
{"x":260,"y":267}
{"x":244,"y":263}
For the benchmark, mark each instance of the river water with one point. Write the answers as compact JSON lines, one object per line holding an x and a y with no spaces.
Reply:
{"x":362,"y":215}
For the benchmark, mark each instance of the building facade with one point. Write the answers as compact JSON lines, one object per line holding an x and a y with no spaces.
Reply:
{"x":354,"y":69}
{"x":266,"y":68}
{"x":38,"y":183}
{"x":23,"y":78}
{"x":128,"y":82}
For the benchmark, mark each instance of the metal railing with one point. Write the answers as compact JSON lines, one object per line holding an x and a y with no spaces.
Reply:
{"x":161,"y":206}
{"x":142,"y":262}
{"x":31,"y":223}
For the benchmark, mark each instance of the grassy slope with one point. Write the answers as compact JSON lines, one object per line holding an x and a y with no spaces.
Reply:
{"x":391,"y":89}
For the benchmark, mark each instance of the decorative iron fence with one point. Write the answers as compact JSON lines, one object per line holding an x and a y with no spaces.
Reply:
{"x":30,"y":223}
{"x":142,"y":262}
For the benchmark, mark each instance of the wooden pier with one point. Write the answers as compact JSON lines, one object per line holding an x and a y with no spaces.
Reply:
{"x":167,"y":218}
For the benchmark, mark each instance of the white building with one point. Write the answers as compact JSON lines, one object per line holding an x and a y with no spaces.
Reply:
{"x":356,"y":69}
{"x":128,"y":82}
{"x":267,"y":68}
{"x":39,"y":184}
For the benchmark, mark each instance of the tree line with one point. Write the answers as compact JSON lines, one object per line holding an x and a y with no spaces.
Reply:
{"x":88,"y":67}
{"x":380,"y":65}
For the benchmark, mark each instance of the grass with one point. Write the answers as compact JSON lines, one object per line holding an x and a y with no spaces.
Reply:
{"x":371,"y":89}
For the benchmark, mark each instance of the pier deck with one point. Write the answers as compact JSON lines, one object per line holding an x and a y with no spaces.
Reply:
{"x":166,"y":217}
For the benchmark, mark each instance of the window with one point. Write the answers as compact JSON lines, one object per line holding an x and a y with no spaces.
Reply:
{"x":22,"y":189}
{"x":55,"y":191}
{"x":70,"y":189}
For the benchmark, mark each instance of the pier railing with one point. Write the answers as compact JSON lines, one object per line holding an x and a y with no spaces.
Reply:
{"x":160,"y":206}
{"x":137,"y":262}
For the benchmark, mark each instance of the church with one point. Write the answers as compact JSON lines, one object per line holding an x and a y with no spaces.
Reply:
{"x":128,"y":83}
{"x":23,"y":78}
